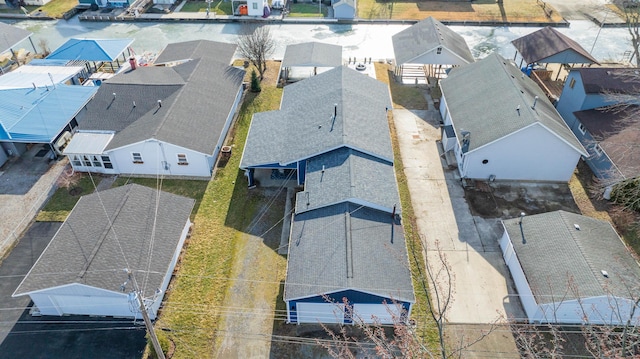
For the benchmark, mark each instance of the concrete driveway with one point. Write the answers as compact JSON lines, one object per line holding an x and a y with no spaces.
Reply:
{"x":24,"y":336}
{"x":482,"y":289}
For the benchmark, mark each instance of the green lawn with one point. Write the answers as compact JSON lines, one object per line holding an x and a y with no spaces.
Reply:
{"x":219,"y":7}
{"x":306,"y":10}
{"x":65,"y":198}
{"x":56,"y":8}
{"x":192,"y":312}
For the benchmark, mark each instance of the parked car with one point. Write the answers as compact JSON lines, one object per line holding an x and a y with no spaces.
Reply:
{"x":277,"y":4}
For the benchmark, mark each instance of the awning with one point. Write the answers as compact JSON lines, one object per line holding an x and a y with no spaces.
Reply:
{"x":90,"y":143}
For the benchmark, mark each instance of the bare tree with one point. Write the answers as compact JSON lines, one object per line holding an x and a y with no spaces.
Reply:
{"x":404,"y":340}
{"x":256,"y":45}
{"x":631,"y":13}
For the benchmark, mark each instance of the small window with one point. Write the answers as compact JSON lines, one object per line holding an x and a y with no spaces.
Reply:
{"x":439,"y":50}
{"x":182,"y":159}
{"x":86,"y":161}
{"x":597,"y":149}
{"x":96,"y":162}
{"x":572,"y":83}
{"x":107,"y":162}
{"x":76,"y":161}
{"x":582,"y":129}
{"x":137,"y":157}
{"x":255,"y":6}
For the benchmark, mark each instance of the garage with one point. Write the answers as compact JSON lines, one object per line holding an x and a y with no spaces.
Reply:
{"x":320,"y":313}
{"x":82,"y":271}
{"x":381,"y":313}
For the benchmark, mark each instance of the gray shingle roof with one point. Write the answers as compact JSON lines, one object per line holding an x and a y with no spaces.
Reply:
{"x":195,"y":49}
{"x":319,"y":262}
{"x":555,"y":252}
{"x":304,"y":127}
{"x":483,"y":98}
{"x":425,"y":36}
{"x":348,"y":175}
{"x":312,"y":54}
{"x":11,"y":36}
{"x":546,"y":42}
{"x":196,"y":97}
{"x":86,"y":249}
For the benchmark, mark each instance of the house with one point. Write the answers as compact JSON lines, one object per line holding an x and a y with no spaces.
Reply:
{"x":160,"y":120}
{"x":41,"y":115}
{"x":347,"y":254}
{"x":571,"y":269}
{"x":308,"y":59}
{"x":430,"y":45}
{"x":258,"y":8}
{"x":344,"y":9}
{"x":499,"y":125}
{"x":83,"y":270}
{"x":608,"y":135}
{"x":335,"y":109}
{"x":41,"y":73}
{"x":346,"y":244}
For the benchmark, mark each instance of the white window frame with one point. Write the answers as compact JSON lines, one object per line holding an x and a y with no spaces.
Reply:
{"x":582,"y":129}
{"x":182,"y":159}
{"x":598,"y":150}
{"x":137,"y":157}
{"x":77,"y":161}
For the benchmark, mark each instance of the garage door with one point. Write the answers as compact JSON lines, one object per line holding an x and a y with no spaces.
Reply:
{"x":383,"y":313}
{"x":82,"y":305}
{"x":320,"y":313}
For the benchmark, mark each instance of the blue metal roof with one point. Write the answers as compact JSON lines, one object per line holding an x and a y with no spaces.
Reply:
{"x":91,"y":49}
{"x":38,"y":115}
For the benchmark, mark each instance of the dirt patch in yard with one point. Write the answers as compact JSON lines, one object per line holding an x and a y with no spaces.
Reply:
{"x":509,"y":199}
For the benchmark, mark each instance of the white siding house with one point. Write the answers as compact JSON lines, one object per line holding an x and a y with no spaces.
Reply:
{"x":500,"y":126}
{"x":83,"y":269}
{"x":571,"y":269}
{"x":163,"y":120}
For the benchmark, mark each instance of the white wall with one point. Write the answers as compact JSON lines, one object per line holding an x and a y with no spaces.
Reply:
{"x":604,"y":310}
{"x":522,"y":286}
{"x":533,"y":154}
{"x":446,"y":57}
{"x":154,"y":155}
{"x":83,"y":300}
{"x":256,"y":7}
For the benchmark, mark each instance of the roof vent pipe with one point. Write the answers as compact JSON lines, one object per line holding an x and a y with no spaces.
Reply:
{"x":159,"y":103}
{"x":134,"y":104}
{"x":535,"y":100}
{"x":34,"y":85}
{"x":114,"y":95}
{"x":335,"y":110}
{"x":518,"y":109}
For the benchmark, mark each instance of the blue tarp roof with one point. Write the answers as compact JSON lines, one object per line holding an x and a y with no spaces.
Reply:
{"x":38,"y":115}
{"x":91,"y":49}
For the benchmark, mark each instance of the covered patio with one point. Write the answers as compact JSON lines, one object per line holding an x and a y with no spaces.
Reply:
{"x":308,"y":59}
{"x":11,"y":37}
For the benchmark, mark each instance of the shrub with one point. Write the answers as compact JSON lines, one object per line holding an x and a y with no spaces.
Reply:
{"x":255,"y":82}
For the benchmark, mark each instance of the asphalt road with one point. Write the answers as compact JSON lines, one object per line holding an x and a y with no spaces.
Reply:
{"x":24,"y":336}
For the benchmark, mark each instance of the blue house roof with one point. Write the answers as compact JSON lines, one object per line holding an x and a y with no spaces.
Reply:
{"x":38,"y":115}
{"x":91,"y":49}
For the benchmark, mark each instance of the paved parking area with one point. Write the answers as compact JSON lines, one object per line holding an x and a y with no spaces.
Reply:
{"x":24,"y":336}
{"x":483,"y":292}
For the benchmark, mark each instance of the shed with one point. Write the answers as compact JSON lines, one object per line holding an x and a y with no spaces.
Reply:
{"x":571,"y":269}
{"x":83,"y":269}
{"x":344,"y":9}
{"x":308,"y":59}
{"x":429,"y":47}
{"x":504,"y":126}
{"x":347,"y":254}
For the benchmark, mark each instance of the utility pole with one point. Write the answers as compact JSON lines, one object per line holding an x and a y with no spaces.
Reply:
{"x":145,"y":316}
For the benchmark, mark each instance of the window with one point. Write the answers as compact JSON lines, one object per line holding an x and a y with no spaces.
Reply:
{"x":137,"y":157}
{"x":182,"y":159}
{"x":107,"y":162}
{"x":86,"y":161}
{"x":438,"y":50}
{"x":76,"y":160}
{"x":96,"y":162}
{"x":255,"y":6}
{"x":572,"y":83}
{"x":582,"y":129}
{"x":597,"y":149}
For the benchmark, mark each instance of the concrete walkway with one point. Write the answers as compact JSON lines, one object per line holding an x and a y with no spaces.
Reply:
{"x":482,"y":289}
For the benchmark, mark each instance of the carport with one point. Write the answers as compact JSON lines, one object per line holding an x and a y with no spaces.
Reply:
{"x":104,"y":54}
{"x":308,"y":59}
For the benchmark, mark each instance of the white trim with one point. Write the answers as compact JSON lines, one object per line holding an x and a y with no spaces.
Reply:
{"x":356,"y":290}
